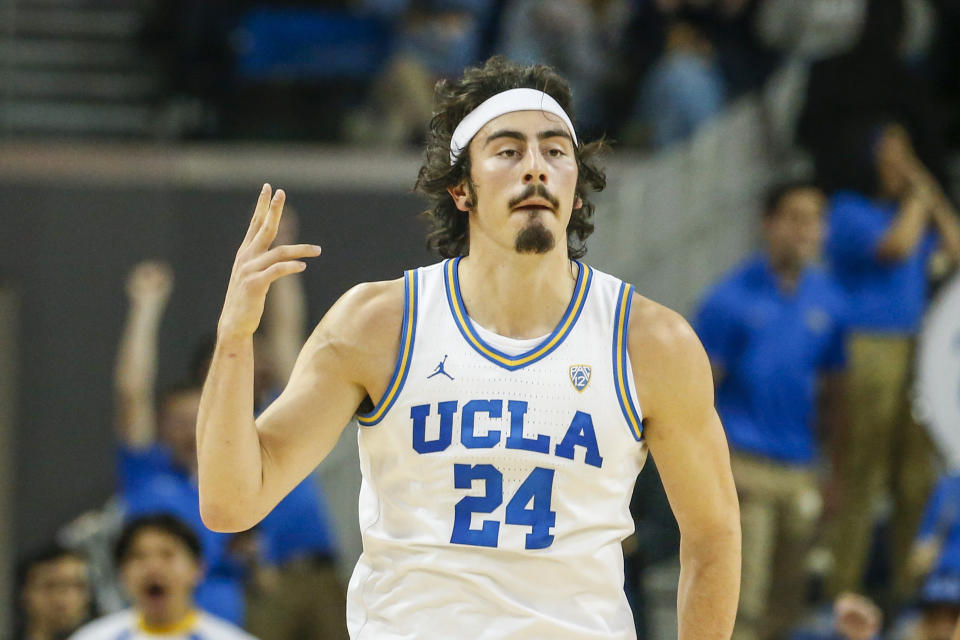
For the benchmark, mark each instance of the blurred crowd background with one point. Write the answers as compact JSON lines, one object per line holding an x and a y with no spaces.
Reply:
{"x":784,"y":173}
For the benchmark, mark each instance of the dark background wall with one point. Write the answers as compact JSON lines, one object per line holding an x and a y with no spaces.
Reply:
{"x":66,"y":249}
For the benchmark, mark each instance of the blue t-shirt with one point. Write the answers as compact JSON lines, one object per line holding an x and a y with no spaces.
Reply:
{"x":299,"y":526}
{"x":942,"y":520}
{"x":883,"y":296}
{"x":771,"y":346}
{"x":152,"y":482}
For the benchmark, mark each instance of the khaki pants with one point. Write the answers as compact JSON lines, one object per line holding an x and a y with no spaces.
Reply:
{"x":779,"y":509}
{"x":303,"y":601}
{"x":884,"y":452}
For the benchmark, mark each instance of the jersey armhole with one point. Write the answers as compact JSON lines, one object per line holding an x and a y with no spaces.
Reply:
{"x":402,"y":366}
{"x":622,"y":370}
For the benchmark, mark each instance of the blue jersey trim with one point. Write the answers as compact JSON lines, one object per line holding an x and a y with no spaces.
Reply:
{"x":545,"y":348}
{"x":621,"y":373}
{"x":402,"y":367}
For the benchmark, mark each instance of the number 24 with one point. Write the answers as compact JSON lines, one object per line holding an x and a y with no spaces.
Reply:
{"x":538,"y":488}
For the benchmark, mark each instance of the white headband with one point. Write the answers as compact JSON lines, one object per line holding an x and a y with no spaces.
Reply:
{"x":494,"y":107}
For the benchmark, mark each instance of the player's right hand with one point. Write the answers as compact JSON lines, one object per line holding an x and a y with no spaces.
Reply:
{"x":257,"y":266}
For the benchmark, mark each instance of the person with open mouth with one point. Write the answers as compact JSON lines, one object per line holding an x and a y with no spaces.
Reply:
{"x":159,"y":561}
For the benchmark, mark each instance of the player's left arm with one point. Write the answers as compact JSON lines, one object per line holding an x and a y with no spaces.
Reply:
{"x":685,"y":437}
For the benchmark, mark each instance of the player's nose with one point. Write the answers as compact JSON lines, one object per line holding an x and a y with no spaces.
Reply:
{"x":535,"y":170}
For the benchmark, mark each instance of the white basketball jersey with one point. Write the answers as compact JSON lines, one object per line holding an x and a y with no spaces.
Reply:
{"x":497,"y":474}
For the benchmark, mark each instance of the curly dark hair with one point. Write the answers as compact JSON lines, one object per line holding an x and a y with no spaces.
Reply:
{"x":449,"y":231}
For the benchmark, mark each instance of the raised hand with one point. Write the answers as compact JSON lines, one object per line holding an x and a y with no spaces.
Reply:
{"x":257,"y":266}
{"x":150,"y":283}
{"x":856,"y":617}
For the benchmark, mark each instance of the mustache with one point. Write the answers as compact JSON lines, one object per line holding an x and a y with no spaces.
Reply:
{"x":535,"y":190}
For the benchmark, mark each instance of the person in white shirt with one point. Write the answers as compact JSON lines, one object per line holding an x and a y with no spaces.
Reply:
{"x":159,"y":561}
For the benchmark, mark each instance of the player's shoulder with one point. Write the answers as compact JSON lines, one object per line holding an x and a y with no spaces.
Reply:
{"x":370,"y":304}
{"x":656,"y":329}
{"x":667,"y":358}
{"x":374,"y":308}
{"x":362,"y":328}
{"x":216,"y":628}
{"x":108,"y":626}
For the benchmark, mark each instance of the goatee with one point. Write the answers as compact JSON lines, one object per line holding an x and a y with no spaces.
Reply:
{"x":534,"y":238}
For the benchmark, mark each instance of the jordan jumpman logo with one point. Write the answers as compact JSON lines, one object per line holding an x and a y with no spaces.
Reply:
{"x":440,"y":369}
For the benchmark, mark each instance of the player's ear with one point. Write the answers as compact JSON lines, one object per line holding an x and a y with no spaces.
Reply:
{"x":577,"y":202}
{"x":460,"y":195}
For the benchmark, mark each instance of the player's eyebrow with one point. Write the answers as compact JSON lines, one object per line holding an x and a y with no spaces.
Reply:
{"x":505,"y":133}
{"x":555,"y":133}
{"x":517,"y":135}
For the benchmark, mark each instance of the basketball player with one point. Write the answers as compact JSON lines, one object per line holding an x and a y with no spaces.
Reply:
{"x":495,"y":497}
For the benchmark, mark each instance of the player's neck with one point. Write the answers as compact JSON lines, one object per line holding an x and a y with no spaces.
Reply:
{"x":517,"y":295}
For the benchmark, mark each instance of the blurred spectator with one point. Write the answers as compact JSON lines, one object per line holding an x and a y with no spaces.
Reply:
{"x":937,"y":610}
{"x":859,"y":88}
{"x":436,"y":39}
{"x":944,"y":66}
{"x":579,"y":38}
{"x":53,"y":594}
{"x":157,"y":449}
{"x":294,"y":592}
{"x":774,"y":330}
{"x":93,"y":533}
{"x":811,"y":29}
{"x":690,"y":58}
{"x":816,"y":29}
{"x":851,"y":617}
{"x":684,"y":88}
{"x":880,"y":243}
{"x":937,"y":546}
{"x":160,"y":563}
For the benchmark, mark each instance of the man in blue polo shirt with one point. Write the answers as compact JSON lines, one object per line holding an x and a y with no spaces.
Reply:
{"x":774,"y":330}
{"x":879,"y":250}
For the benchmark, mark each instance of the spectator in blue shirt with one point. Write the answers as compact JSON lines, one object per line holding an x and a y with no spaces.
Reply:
{"x":157,"y":448}
{"x":774,"y":331}
{"x":295,"y":591}
{"x":879,"y":250}
{"x":934,"y":612}
{"x":435,"y":39}
{"x":936,"y":548}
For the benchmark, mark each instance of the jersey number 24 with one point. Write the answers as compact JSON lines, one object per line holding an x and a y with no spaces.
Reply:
{"x":529,"y":506}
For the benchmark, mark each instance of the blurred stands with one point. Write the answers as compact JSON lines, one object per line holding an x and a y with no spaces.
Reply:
{"x":76,"y":68}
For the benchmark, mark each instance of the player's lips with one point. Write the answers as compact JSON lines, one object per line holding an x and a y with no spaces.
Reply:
{"x":534,"y":204}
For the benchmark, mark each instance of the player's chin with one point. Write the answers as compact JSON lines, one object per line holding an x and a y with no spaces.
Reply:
{"x":535,"y":238}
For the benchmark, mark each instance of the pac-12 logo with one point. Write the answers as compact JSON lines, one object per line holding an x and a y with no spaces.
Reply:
{"x":580,"y":376}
